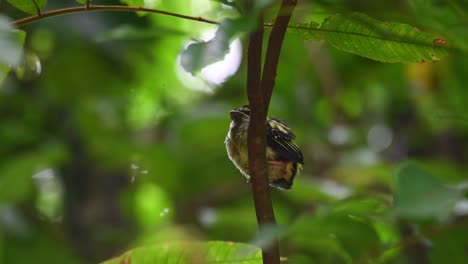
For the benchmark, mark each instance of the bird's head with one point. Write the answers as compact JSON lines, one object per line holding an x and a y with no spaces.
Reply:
{"x":240,"y":114}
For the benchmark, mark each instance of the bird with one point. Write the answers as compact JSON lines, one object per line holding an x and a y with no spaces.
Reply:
{"x":283,"y":157}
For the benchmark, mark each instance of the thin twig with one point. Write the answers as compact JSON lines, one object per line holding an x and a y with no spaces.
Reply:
{"x":94,"y":8}
{"x":91,"y":8}
{"x":275,"y":43}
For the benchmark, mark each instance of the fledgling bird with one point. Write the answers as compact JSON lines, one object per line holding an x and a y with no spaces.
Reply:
{"x":284,"y":158}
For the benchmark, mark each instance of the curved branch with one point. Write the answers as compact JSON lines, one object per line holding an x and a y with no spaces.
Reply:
{"x":275,"y":43}
{"x":94,"y":8}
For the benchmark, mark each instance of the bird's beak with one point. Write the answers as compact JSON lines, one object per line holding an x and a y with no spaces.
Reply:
{"x":237,"y":115}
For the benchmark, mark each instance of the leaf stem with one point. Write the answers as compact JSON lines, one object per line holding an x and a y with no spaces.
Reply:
{"x":38,"y":9}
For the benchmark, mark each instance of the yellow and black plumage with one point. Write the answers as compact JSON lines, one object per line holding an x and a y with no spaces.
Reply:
{"x":284,"y":158}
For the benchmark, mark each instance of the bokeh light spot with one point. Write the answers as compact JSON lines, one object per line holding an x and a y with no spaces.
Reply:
{"x":151,"y":203}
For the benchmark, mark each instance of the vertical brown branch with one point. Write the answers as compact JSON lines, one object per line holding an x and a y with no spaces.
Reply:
{"x":257,"y":144}
{"x":275,"y":42}
{"x":259,"y":90}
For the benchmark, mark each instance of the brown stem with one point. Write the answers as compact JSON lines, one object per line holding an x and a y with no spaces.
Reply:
{"x":90,"y":8}
{"x":275,"y":43}
{"x":257,"y":145}
{"x":259,"y":90}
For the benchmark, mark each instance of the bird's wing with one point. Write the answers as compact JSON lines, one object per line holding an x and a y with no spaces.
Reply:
{"x":280,"y":138}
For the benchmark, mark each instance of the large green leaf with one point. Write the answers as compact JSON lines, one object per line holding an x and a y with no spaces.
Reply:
{"x":382,"y":41}
{"x":448,"y":17}
{"x":420,"y":195}
{"x":11,"y":43}
{"x":28,"y":5}
{"x":192,"y":252}
{"x":342,"y":238}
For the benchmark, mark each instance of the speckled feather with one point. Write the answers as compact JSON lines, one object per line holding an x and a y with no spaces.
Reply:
{"x":280,"y":138}
{"x":284,"y":158}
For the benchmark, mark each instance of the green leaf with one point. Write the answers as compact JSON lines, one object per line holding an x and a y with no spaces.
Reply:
{"x":11,"y":43}
{"x":82,"y":1}
{"x":28,"y":5}
{"x":192,"y":252}
{"x":143,"y":3}
{"x":449,"y":246}
{"x":344,"y":238}
{"x":361,"y":207}
{"x":420,"y":195}
{"x":373,"y":39}
{"x":258,"y":6}
{"x":200,"y":54}
{"x":134,"y":2}
{"x":448,"y":17}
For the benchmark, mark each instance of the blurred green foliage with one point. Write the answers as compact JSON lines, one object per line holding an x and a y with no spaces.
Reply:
{"x":107,"y":144}
{"x":179,"y":252}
